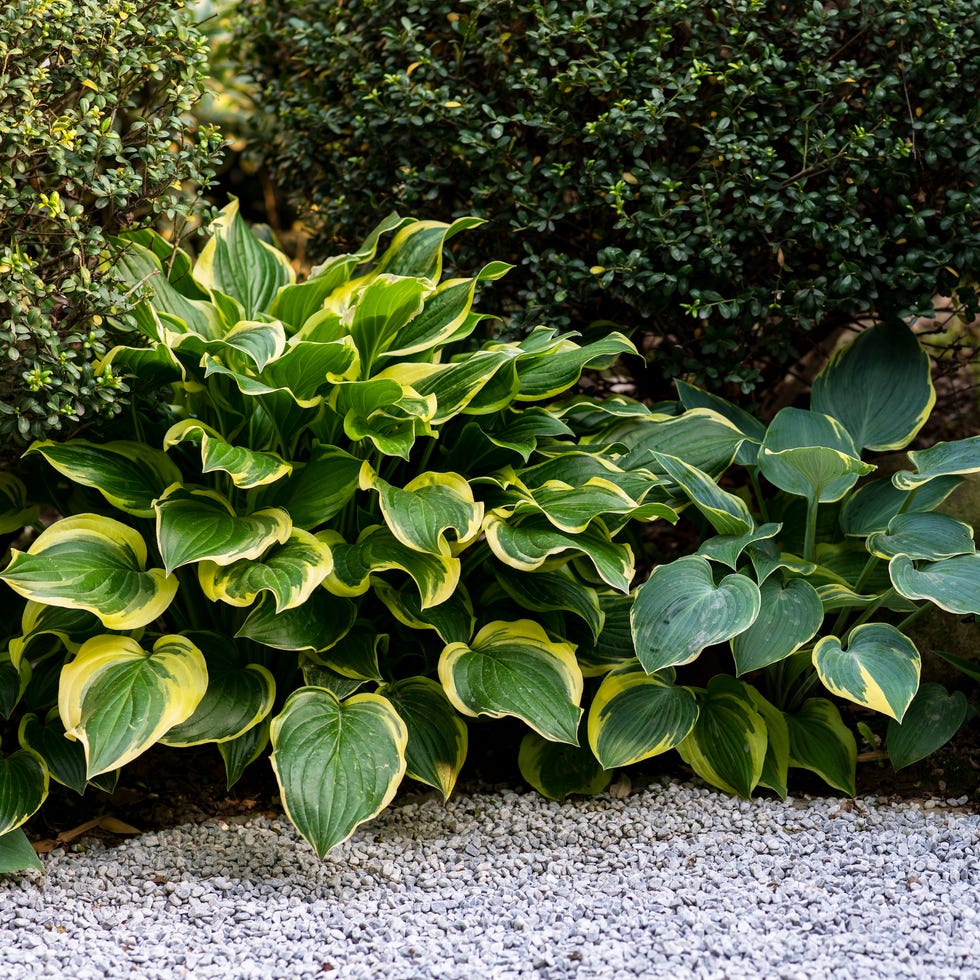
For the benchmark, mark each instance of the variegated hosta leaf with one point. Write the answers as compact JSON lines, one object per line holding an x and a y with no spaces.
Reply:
{"x":879,"y":387}
{"x":810,"y":455}
{"x":750,"y":427}
{"x":14,"y":678}
{"x":727,"y":746}
{"x":635,"y":716}
{"x":71,"y":626}
{"x":931,"y":537}
{"x":416,"y":249}
{"x":528,"y":543}
{"x":381,"y":313}
{"x":932,"y":719}
{"x":679,"y":611}
{"x":118,"y":699}
{"x":130,"y":475}
{"x":246,"y":467}
{"x":559,"y":590}
{"x":820,"y":742}
{"x":261,"y":341}
{"x":15,"y":512}
{"x":775,"y":768}
{"x":578,"y":467}
{"x":289,"y":571}
{"x":952,"y":584}
{"x":879,"y":669}
{"x":430,"y":505}
{"x":318,"y":624}
{"x":766,"y":558}
{"x":17,"y":853}
{"x":96,"y":564}
{"x":874,"y":504}
{"x":484,"y":446}
{"x":239,"y":753}
{"x":614,"y":645}
{"x":957,"y":458}
{"x":318,"y":489}
{"x":557,"y":770}
{"x":516,"y":669}
{"x":337,"y":763}
{"x":546,"y":373}
{"x":198,"y":525}
{"x":789,"y":616}
{"x":23,"y":788}
{"x":452,"y":619}
{"x":727,"y":548}
{"x":725,"y":512}
{"x":63,"y":758}
{"x":392,"y":416}
{"x":437,"y":736}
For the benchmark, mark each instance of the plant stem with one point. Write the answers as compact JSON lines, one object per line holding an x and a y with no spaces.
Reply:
{"x":757,"y":490}
{"x":913,"y":616}
{"x":810,"y":540}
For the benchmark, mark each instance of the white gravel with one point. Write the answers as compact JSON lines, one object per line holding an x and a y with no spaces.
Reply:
{"x":675,"y":881}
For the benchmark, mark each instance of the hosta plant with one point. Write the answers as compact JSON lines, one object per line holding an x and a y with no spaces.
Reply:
{"x":362,"y":521}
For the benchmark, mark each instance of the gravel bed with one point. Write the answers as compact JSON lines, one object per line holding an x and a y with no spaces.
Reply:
{"x":673,"y":881}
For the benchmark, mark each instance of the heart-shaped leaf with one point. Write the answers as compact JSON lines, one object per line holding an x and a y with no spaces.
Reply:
{"x":932,"y":719}
{"x":557,"y":770}
{"x":23,"y":788}
{"x":952,"y":584}
{"x":727,"y":548}
{"x":820,"y":742}
{"x":923,"y":536}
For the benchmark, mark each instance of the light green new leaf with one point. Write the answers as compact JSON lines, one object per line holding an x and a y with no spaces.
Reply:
{"x":928,"y":536}
{"x":515,"y":669}
{"x":557,"y":770}
{"x":820,"y":742}
{"x":635,"y":715}
{"x":318,"y":489}
{"x":318,"y":624}
{"x":753,"y":430}
{"x":725,"y":512}
{"x":437,"y":736}
{"x":789,"y":616}
{"x":118,"y":699}
{"x":932,"y":719}
{"x":952,"y":584}
{"x":338,"y":764}
{"x":246,"y":467}
{"x":874,"y":504}
{"x":198,"y":525}
{"x":17,"y":854}
{"x":15,"y":511}
{"x":679,"y":611}
{"x":63,"y":758}
{"x":958,"y":458}
{"x":879,"y":387}
{"x":96,"y":564}
{"x":387,"y":413}
{"x":555,"y":370}
{"x":879,"y":669}
{"x":130,"y":475}
{"x":23,"y":788}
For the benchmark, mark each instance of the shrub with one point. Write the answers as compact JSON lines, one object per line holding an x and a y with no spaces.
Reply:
{"x":94,"y":139}
{"x":364,"y":524}
{"x":720,"y":175}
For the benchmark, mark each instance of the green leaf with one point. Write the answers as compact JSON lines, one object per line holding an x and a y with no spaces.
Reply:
{"x":958,"y":458}
{"x":319,"y":675}
{"x":635,"y":716}
{"x":118,"y":699}
{"x":437,"y":736}
{"x":338,"y":764}
{"x":952,"y":584}
{"x":357,"y":654}
{"x":932,"y":719}
{"x":789,"y":616}
{"x":247,"y":468}
{"x":728,"y":548}
{"x":392,"y":416}
{"x":820,"y":742}
{"x":17,"y":854}
{"x":416,"y":249}
{"x":968,"y":667}
{"x":873,"y":505}
{"x":725,"y":512}
{"x":775,"y":769}
{"x":318,"y":624}
{"x":318,"y":489}
{"x":63,"y":758}
{"x":923,"y":536}
{"x":452,"y":619}
{"x":15,"y":511}
{"x":679,"y":611}
{"x":750,"y":427}
{"x":382,"y":310}
{"x":23,"y":788}
{"x":554,"y":370}
{"x":14,"y":678}
{"x":878,"y":387}
{"x":239,"y":753}
{"x":557,"y":771}
{"x":701,"y":437}
{"x":95,"y":564}
{"x":516,"y":669}
{"x":614,"y":645}
{"x":558,"y":590}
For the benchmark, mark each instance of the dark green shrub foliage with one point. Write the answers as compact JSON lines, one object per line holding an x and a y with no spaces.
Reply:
{"x":699,"y":170}
{"x":95,"y":138}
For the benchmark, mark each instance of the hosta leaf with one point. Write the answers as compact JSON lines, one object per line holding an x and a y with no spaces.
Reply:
{"x":679,"y":611}
{"x":932,"y":719}
{"x":416,"y":249}
{"x":63,"y":758}
{"x":382,"y":310}
{"x":556,"y":590}
{"x":579,"y":468}
{"x":635,"y":716}
{"x":879,"y":669}
{"x":392,"y":416}
{"x":557,"y":369}
{"x":753,"y":430}
{"x":14,"y":678}
{"x":483,"y":447}
{"x":970,"y":668}
{"x":727,"y":746}
{"x":878,"y":387}
{"x":239,"y":753}
{"x":198,"y":525}
{"x":725,"y":512}
{"x":775,"y":769}
{"x":118,"y":699}
{"x":557,"y":770}
{"x":319,"y":675}
{"x":23,"y":788}
{"x":944,"y":459}
{"x":316,"y":625}
{"x":15,"y":511}
{"x":17,"y":853}
{"x":71,"y":626}
{"x":95,"y":564}
{"x":337,"y":763}
{"x":261,"y":341}
{"x":357,"y":654}
{"x":874,"y":504}
{"x":727,"y":548}
{"x":789,"y":616}
{"x":452,"y":619}
{"x":130,"y":475}
{"x":614,"y":645}
{"x":835,"y":596}
{"x":515,"y":669}
{"x":923,"y":536}
{"x":820,"y":742}
{"x":437,"y":736}
{"x":246,"y":467}
{"x":952,"y":584}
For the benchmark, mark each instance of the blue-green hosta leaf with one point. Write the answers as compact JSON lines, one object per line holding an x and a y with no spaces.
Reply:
{"x":429,"y":505}
{"x":23,"y":788}
{"x":810,"y":455}
{"x":378,"y":550}
{"x":929,"y":537}
{"x":381,"y":313}
{"x":879,"y":387}
{"x":727,"y":746}
{"x":952,"y":584}
{"x":775,"y":768}
{"x":874,"y":504}
{"x":387,"y":413}
{"x":932,"y":719}
{"x":879,"y":669}
{"x":766,"y":558}
{"x":17,"y":853}
{"x":239,"y":753}
{"x":790,"y":615}
{"x":437,"y":736}
{"x":118,"y":699}
{"x":725,"y":512}
{"x":96,"y":564}
{"x":236,"y":263}
{"x":318,"y":624}
{"x":753,"y":430}
{"x":528,"y":543}
{"x":130,"y":475}
{"x":15,"y":511}
{"x":338,"y":763}
{"x":958,"y":458}
{"x":319,"y":489}
{"x":516,"y":669}
{"x":679,"y":611}
{"x":556,"y":370}
{"x":290,"y":572}
{"x":557,"y":770}
{"x":199,"y":525}
{"x":727,"y":548}
{"x":635,"y":716}
{"x":558,"y":590}
{"x":820,"y":742}
{"x":452,"y":619}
